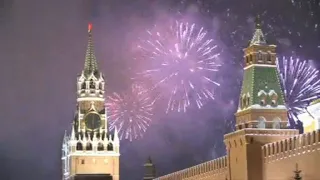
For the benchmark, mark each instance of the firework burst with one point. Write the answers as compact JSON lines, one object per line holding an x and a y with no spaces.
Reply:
{"x":300,"y":82}
{"x":130,"y":112}
{"x":181,"y":62}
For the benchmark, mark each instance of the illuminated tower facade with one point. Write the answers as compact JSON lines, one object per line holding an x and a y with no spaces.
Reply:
{"x":262,"y":115}
{"x":90,"y":151}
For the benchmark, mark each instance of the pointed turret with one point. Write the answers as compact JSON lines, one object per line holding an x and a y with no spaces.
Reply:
{"x":258,"y":37}
{"x":73,"y":134}
{"x":150,"y":170}
{"x":90,"y":65}
{"x":116,"y":137}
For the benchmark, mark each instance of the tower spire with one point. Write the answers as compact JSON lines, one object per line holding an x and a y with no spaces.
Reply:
{"x":90,"y":65}
{"x":258,"y":36}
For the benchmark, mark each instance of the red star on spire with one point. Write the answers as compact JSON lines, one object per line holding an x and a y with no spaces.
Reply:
{"x":89,"y":27}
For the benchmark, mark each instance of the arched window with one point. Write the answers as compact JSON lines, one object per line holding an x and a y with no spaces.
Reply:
{"x":100,"y":147}
{"x":262,"y":96}
{"x":243,"y":101}
{"x":83,"y":85}
{"x":276,"y":123}
{"x":261,"y":122}
{"x":269,"y":57}
{"x":110,"y":147}
{"x":89,"y":147}
{"x":274,"y":98}
{"x":247,"y":60}
{"x":251,"y":58}
{"x":79,"y":146}
{"x":259,"y":56}
{"x":92,"y":85}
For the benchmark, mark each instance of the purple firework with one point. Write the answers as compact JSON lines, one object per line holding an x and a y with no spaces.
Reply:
{"x":181,"y":62}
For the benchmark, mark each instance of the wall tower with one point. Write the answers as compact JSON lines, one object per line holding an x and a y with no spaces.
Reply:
{"x":150,"y":170}
{"x":262,"y":115}
{"x":90,"y":151}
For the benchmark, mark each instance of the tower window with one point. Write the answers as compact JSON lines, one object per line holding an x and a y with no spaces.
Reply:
{"x":79,"y":146}
{"x":82,"y":161}
{"x":261,"y":122}
{"x":92,"y":85}
{"x":247,"y":60}
{"x":269,"y":57}
{"x":110,"y":147}
{"x":259,"y":56}
{"x":89,"y":147}
{"x":83,"y":86}
{"x":100,"y":147}
{"x":276,"y":123}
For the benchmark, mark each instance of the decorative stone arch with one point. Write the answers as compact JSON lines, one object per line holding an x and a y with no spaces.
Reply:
{"x":259,"y":56}
{"x":110,"y":147}
{"x":263,"y":97}
{"x":88,"y":146}
{"x":79,"y":146}
{"x":273,"y":97}
{"x":261,"y":122}
{"x":100,"y":146}
{"x":276,"y":123}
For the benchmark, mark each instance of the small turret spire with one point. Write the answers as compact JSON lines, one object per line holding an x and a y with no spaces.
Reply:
{"x":116,"y":137}
{"x":258,"y":36}
{"x":73,"y":135}
{"x":90,"y":65}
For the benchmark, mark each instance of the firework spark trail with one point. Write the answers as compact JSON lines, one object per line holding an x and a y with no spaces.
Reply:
{"x":300,"y":82}
{"x":130,"y":112}
{"x":182,"y":61}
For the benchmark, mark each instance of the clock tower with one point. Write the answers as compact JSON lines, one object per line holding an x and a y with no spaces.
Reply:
{"x":90,"y":151}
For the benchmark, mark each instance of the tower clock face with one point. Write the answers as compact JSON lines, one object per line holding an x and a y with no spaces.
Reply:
{"x":92,"y":121}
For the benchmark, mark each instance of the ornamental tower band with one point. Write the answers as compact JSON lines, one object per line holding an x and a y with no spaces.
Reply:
{"x":90,"y":151}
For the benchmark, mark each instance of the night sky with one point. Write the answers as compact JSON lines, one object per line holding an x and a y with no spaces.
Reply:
{"x":42,"y":50}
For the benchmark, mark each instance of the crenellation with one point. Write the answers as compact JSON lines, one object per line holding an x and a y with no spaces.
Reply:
{"x":292,"y":146}
{"x":216,"y":166}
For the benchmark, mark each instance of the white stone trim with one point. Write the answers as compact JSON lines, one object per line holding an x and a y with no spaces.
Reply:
{"x":260,"y":65}
{"x":258,"y":106}
{"x":90,"y":99}
{"x":109,"y":154}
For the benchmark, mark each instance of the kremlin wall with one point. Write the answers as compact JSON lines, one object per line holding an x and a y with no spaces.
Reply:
{"x":262,"y":147}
